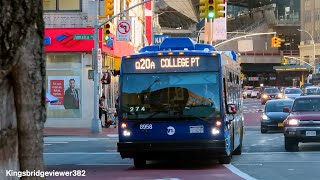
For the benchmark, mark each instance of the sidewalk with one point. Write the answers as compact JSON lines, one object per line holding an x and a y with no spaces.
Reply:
{"x":79,"y":132}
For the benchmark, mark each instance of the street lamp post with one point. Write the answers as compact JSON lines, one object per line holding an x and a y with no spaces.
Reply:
{"x":314,"y":49}
{"x":95,"y":124}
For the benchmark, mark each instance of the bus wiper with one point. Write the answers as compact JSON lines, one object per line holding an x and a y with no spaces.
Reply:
{"x":201,"y":118}
{"x":165,"y":109}
{"x":149,"y":88}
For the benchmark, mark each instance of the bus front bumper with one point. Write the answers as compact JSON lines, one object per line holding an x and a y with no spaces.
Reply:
{"x":133,"y":149}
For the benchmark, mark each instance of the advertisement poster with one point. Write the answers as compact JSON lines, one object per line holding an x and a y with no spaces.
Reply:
{"x":67,"y":90}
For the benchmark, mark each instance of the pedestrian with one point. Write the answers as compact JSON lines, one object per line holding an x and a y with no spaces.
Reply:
{"x":102,"y":109}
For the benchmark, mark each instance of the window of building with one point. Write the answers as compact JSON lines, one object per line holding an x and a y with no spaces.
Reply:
{"x":62,"y":5}
{"x":63,"y":80}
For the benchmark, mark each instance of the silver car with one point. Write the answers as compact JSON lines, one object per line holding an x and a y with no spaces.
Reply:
{"x":292,"y":93}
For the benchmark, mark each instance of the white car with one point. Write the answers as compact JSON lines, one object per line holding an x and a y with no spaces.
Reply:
{"x":254,"y":93}
{"x":312,"y":90}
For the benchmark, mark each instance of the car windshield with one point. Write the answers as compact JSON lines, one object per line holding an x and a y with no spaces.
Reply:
{"x":168,"y":96}
{"x":273,"y":90}
{"x":277,"y":106}
{"x":292,"y":91}
{"x":306,"y":104}
{"x":312,"y":90}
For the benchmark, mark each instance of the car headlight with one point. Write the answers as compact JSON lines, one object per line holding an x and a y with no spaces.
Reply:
{"x":265,"y":117}
{"x":280,"y":96}
{"x":264,"y":96}
{"x":293,"y":122}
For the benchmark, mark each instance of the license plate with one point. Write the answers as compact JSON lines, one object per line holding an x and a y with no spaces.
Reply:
{"x":311,"y":133}
{"x":196,"y":129}
{"x":280,"y":124}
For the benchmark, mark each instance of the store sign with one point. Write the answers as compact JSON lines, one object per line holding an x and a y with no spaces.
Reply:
{"x":47,"y":40}
{"x":69,"y":39}
{"x":253,"y":78}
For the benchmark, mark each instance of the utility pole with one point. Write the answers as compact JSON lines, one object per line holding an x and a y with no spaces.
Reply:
{"x":96,"y":125}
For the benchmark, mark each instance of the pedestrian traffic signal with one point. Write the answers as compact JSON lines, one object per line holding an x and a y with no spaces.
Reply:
{"x":211,"y":11}
{"x":108,"y":7}
{"x":107,"y":32}
{"x":219,"y":8}
{"x":203,"y":8}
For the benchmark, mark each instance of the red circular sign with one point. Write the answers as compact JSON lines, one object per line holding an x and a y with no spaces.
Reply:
{"x":123,"y":27}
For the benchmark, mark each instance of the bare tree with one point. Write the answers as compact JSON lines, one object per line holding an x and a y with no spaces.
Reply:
{"x":22,"y":86}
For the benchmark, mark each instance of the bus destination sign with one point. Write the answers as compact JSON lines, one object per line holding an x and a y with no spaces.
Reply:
{"x":168,"y":62}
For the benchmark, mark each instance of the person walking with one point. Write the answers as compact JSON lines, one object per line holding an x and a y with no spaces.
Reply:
{"x":102,"y":109}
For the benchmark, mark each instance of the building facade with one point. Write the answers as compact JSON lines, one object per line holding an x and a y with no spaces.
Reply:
{"x":69,"y":57}
{"x":310,"y":23}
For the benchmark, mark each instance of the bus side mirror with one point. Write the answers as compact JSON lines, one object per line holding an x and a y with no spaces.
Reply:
{"x":231,"y":109}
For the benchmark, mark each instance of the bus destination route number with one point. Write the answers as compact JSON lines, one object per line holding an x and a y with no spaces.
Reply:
{"x":169,"y":62}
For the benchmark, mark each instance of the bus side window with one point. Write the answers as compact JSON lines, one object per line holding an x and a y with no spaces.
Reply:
{"x":230,"y":76}
{"x":225,"y":93}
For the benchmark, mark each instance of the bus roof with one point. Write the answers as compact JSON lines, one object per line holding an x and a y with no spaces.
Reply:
{"x":177,"y":45}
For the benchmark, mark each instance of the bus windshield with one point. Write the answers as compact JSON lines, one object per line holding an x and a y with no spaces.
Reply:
{"x":168,"y":96}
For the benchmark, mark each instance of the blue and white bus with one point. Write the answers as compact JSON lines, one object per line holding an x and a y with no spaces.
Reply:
{"x":180,"y":99}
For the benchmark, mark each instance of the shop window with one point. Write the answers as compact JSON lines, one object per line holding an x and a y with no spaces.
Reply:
{"x":63,"y":80}
{"x":62,"y":5}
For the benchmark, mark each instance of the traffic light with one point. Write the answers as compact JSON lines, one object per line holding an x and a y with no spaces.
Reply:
{"x":278,"y":42}
{"x":219,"y":8}
{"x":211,"y":11}
{"x":108,"y":7}
{"x":203,"y":8}
{"x":284,"y":61}
{"x":273,"y":41}
{"x":107,"y":32}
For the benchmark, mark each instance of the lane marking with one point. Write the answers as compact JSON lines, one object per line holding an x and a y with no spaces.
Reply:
{"x":113,"y":135}
{"x":47,"y":144}
{"x":270,"y":153}
{"x":238,"y":172}
{"x":57,"y":142}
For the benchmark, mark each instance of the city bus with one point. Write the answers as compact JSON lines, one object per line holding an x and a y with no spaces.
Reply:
{"x":180,"y":99}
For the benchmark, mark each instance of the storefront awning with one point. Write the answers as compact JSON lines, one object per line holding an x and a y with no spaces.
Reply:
{"x":119,"y":49}
{"x":293,"y":68}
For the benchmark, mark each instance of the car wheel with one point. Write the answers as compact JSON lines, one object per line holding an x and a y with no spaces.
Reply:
{"x":291,"y":144}
{"x":263,"y":130}
{"x":226,"y":159}
{"x":238,"y":150}
{"x":139,"y":162}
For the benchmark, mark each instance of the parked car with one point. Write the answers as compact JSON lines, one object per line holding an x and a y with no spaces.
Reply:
{"x":292,"y":93}
{"x":270,"y":93}
{"x":273,"y":115}
{"x":312,"y":90}
{"x":303,"y":122}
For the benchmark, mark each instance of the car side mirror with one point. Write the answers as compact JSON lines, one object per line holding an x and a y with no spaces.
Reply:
{"x":286,"y":109}
{"x":231,"y":109}
{"x":260,"y":110}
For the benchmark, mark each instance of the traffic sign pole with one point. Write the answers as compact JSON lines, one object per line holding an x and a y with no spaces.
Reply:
{"x":96,"y":125}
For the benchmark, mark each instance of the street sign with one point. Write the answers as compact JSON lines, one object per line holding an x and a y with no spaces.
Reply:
{"x":83,"y":36}
{"x":220,"y":29}
{"x":99,"y":60}
{"x":123,"y":30}
{"x":157,"y":39}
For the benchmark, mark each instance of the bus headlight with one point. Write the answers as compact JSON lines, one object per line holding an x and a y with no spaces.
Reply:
{"x":218,"y":123}
{"x":215,"y":131}
{"x":126,"y":133}
{"x":123,"y":125}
